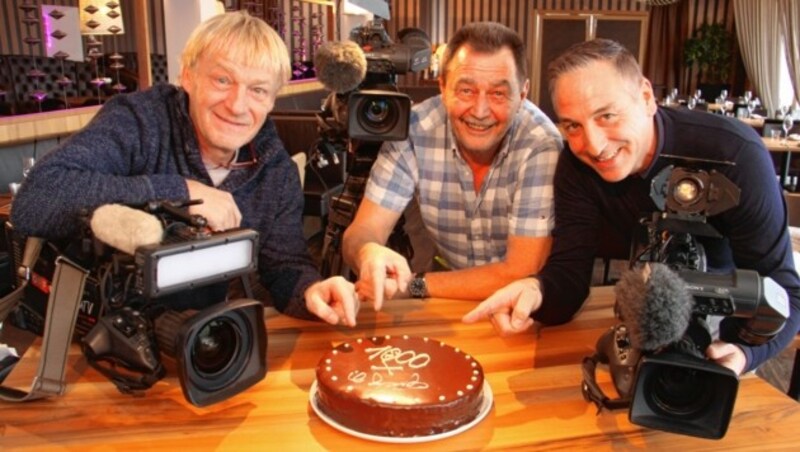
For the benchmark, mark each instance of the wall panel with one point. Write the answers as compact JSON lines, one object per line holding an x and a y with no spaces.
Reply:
{"x":439,"y":18}
{"x":12,"y":30}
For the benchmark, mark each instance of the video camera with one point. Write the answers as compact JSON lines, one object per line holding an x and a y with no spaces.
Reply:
{"x":664,"y":377}
{"x":364,"y":109}
{"x":166,"y":297}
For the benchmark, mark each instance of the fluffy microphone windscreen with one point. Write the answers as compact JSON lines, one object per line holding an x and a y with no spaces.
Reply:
{"x":656,"y":309}
{"x":340,"y":66}
{"x":125,"y":228}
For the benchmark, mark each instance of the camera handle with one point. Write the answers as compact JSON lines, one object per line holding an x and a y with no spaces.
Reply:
{"x":66,"y":293}
{"x":592,"y":392}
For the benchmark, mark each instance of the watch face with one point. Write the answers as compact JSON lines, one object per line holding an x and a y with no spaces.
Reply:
{"x":418,"y":288}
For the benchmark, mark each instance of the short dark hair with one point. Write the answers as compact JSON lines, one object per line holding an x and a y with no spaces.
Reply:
{"x":487,"y":37}
{"x":585,"y":52}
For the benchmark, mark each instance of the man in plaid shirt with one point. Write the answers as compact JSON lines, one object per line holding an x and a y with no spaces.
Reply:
{"x":479,"y":160}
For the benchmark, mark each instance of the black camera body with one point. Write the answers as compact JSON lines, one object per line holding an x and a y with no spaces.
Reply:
{"x":167,"y":299}
{"x":377,"y":111}
{"x":127,"y":337}
{"x":411,"y":54}
{"x":675,"y":387}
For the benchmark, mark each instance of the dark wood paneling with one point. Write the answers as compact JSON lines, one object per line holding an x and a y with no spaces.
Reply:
{"x":559,"y":35}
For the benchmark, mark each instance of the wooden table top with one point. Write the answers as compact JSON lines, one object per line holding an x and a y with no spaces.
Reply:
{"x":778,"y":145}
{"x":535,"y":378}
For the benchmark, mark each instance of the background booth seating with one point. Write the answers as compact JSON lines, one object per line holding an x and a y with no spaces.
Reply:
{"x":19,"y":86}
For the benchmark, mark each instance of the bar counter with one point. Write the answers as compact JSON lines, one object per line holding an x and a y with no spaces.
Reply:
{"x":535,"y":378}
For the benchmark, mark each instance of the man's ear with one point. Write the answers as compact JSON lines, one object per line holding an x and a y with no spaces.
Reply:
{"x":525,"y":88}
{"x":649,"y":96}
{"x":186,"y":79}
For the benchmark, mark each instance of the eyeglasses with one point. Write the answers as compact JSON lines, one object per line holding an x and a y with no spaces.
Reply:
{"x":239,"y":164}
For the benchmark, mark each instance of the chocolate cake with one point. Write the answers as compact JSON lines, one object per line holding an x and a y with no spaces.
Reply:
{"x":399,"y":386}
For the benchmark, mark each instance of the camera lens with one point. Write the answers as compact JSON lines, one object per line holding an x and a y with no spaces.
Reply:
{"x":378,"y":115}
{"x":680,"y":392}
{"x":218,"y":351}
{"x":215,"y":346}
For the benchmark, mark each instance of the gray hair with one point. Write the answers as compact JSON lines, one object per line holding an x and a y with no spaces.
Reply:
{"x":586,"y":52}
{"x":487,"y":37}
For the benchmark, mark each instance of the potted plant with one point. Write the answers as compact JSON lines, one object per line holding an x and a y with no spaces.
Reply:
{"x":709,"y":49}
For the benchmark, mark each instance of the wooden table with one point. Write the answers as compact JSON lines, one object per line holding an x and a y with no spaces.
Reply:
{"x":535,"y":378}
{"x":786,"y":148}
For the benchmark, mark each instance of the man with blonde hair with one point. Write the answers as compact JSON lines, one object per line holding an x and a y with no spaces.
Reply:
{"x":208,"y":139}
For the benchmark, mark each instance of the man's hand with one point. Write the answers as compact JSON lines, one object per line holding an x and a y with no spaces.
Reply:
{"x":383,"y":274}
{"x":334,"y":300}
{"x":218,"y":206}
{"x":727,"y":355}
{"x":509,"y":309}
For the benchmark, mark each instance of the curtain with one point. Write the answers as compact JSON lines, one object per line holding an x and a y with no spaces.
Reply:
{"x":759,"y":41}
{"x":667,"y":32}
{"x":790,"y":27}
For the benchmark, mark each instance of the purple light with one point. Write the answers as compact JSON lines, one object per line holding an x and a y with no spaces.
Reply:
{"x":48,"y":28}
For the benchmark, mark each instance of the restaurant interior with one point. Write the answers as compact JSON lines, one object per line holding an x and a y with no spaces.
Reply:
{"x":740,"y":58}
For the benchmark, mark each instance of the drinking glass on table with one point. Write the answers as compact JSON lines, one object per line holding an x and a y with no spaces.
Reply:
{"x":748,"y":95}
{"x":27,"y":164}
{"x":698,"y":94}
{"x":723,"y":94}
{"x":691,"y":103}
{"x":786,"y":126}
{"x":751,"y":106}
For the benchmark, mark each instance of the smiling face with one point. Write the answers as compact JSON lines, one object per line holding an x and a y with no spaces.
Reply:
{"x":482,"y":94}
{"x":228,"y":103}
{"x":607,"y":119}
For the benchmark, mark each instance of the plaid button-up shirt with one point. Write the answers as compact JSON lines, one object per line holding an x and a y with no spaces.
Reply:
{"x":516,"y":198}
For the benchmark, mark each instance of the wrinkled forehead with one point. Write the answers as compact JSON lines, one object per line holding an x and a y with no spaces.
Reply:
{"x":244,"y":56}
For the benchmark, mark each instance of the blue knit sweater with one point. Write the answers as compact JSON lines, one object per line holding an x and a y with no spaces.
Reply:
{"x":141,"y":147}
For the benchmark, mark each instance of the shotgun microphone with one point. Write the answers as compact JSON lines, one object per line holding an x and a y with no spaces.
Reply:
{"x":655,"y":305}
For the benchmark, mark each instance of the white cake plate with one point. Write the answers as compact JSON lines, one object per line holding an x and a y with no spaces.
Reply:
{"x":486,"y":406}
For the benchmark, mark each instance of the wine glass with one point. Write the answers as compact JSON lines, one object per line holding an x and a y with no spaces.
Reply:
{"x":748,"y":95}
{"x":724,"y":94}
{"x":722,"y":105}
{"x":698,"y":94}
{"x":786,"y":126}
{"x":691,"y":103}
{"x":27,"y":165}
{"x":751,"y":106}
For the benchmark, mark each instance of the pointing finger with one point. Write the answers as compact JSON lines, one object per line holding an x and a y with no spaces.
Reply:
{"x":482,"y":311}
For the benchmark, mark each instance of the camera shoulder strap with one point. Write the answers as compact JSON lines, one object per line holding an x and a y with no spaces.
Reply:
{"x":63,"y":302}
{"x":592,"y":392}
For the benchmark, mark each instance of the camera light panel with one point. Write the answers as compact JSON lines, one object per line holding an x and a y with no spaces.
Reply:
{"x":180,"y":266}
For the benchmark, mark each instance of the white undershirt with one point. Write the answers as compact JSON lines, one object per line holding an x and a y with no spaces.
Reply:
{"x":218,"y":173}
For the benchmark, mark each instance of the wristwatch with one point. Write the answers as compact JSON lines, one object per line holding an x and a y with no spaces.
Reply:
{"x":418,"y":288}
